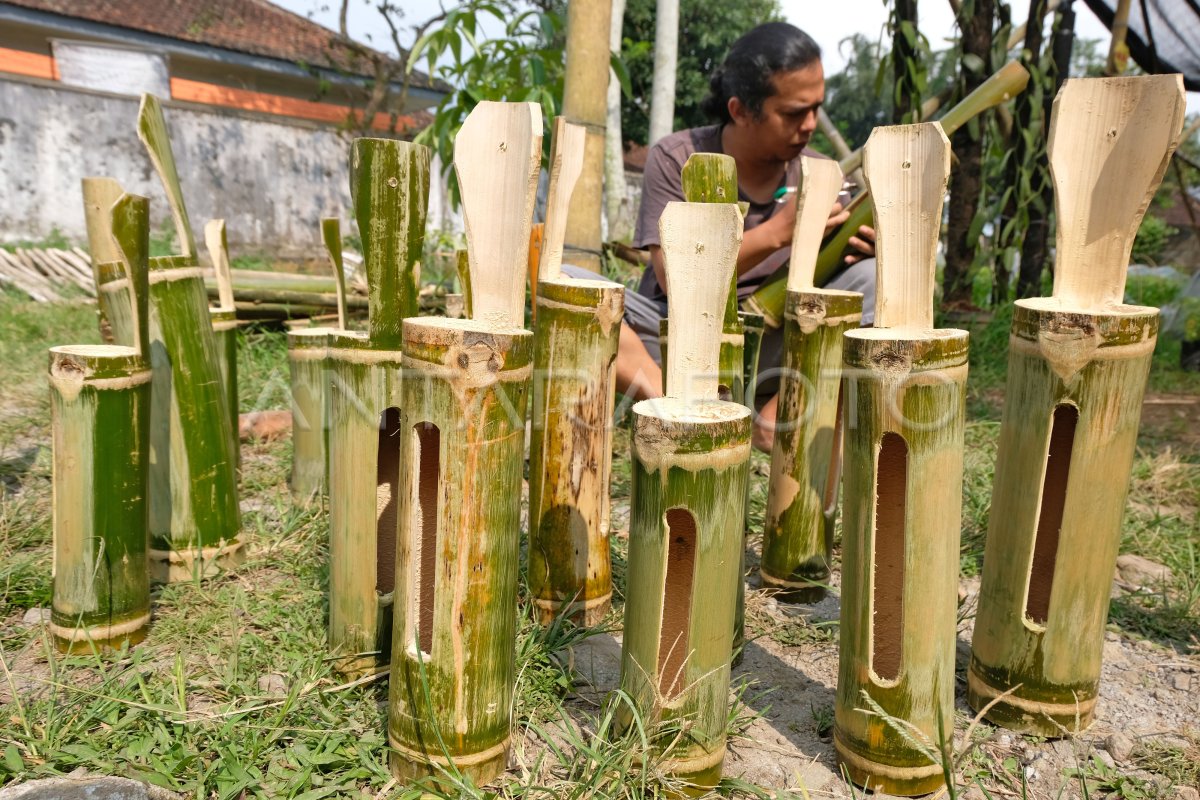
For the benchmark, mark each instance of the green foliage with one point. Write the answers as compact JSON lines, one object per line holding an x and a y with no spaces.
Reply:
{"x":1151,"y":240}
{"x":706,"y":30}
{"x":1151,"y":290}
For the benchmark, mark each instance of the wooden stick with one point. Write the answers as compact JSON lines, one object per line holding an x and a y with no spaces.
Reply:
{"x":905,"y":390}
{"x":152,"y":130}
{"x":1078,"y":364}
{"x":224,"y":324}
{"x":799,"y":521}
{"x":331,"y":235}
{"x":497,"y":156}
{"x":575,"y":347}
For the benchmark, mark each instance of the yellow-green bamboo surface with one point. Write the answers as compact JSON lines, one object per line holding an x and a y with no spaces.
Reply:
{"x":364,"y":499}
{"x":1067,"y":440}
{"x":802,"y":493}
{"x":309,"y":372}
{"x":905,"y":410}
{"x":462,"y":435}
{"x":690,"y":460}
{"x":575,"y":348}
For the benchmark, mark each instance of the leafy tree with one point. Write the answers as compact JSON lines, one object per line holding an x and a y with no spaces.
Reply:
{"x":706,"y":30}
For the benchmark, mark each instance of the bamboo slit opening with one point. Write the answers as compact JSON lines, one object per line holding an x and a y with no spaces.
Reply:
{"x":387,"y":476}
{"x":1050,"y":512}
{"x":427,"y":444}
{"x":673,"y":641}
{"x":887,"y":624}
{"x":834,"y":470}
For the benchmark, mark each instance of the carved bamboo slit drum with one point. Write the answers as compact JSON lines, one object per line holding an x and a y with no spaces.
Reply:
{"x":904,"y":387}
{"x":100,"y":412}
{"x":1077,"y":369}
{"x":389,"y":181}
{"x":798,"y":525}
{"x":690,"y":466}
{"x":224,"y":324}
{"x":575,"y":349}
{"x":194,"y":516}
{"x":462,"y":435}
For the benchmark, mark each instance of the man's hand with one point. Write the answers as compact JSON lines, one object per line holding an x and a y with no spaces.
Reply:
{"x":864,"y":243}
{"x":837,"y":215}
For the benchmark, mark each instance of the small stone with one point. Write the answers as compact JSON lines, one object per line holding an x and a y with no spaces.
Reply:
{"x":1104,"y":757}
{"x":1182,"y":682}
{"x":1141,"y":572}
{"x":36,"y":616}
{"x":1005,"y":740}
{"x":1186,"y":793}
{"x":1120,"y":747}
{"x":962,"y":594}
{"x":272,"y":683}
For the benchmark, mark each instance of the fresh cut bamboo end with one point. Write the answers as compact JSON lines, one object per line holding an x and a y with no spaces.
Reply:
{"x":897,"y":779}
{"x":466,"y":353}
{"x":409,"y":766}
{"x":587,"y":613}
{"x":200,"y":563}
{"x":1019,"y":707}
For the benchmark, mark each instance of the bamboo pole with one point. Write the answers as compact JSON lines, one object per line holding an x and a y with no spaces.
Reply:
{"x":389,"y":180}
{"x":575,"y":348}
{"x":1077,"y":370}
{"x":100,"y":411}
{"x":462,"y":440}
{"x":770,"y":298}
{"x":802,"y":491}
{"x":194,"y":515}
{"x":224,"y":324}
{"x":690,"y":467}
{"x":905,"y":395}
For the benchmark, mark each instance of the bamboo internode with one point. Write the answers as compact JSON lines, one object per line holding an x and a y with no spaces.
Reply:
{"x":1077,"y":371}
{"x":224,"y":324}
{"x":308,"y":369}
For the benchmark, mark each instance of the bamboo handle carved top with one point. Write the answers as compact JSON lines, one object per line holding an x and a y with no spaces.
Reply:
{"x":152,"y":130}
{"x":99,"y":194}
{"x":129,"y":232}
{"x":497,"y":156}
{"x":1110,"y":142}
{"x":906,"y":168}
{"x":566,"y":164}
{"x":218,"y":251}
{"x":700,"y":244}
{"x":820,"y":182}
{"x":331,"y":235}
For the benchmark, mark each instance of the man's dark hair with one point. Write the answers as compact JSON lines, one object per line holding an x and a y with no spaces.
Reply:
{"x":746,"y":72}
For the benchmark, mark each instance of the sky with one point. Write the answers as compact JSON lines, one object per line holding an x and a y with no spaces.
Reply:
{"x":827,"y":22}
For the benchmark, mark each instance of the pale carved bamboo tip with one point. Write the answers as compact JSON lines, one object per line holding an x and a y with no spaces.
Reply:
{"x":217,"y":244}
{"x":129,"y":232}
{"x":700,"y":244}
{"x":331,"y":236}
{"x":497,"y":155}
{"x":566,"y":165}
{"x":820,"y":182}
{"x":906,"y":169}
{"x":152,"y":130}
{"x":99,"y":194}
{"x":1110,"y":142}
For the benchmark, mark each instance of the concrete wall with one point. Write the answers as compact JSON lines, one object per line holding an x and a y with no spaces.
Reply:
{"x":272,"y":180}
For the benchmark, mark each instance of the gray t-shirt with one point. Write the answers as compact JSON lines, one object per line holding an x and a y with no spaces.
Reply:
{"x":662,"y":182}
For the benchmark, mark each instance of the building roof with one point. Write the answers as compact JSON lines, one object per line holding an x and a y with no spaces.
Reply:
{"x":256,"y":27}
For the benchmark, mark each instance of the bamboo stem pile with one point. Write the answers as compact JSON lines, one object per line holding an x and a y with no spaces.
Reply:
{"x":42,"y":272}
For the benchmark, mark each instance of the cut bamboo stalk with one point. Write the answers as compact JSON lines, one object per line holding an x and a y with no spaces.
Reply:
{"x":462,"y":441}
{"x":194,"y":515}
{"x":575,"y":348}
{"x":33,"y":285}
{"x":1077,"y":369}
{"x":331,"y":235}
{"x":389,"y":181}
{"x":690,"y":466}
{"x":904,"y":386}
{"x":770,"y":298}
{"x":224,"y":324}
{"x":100,"y":410}
{"x":798,"y":525}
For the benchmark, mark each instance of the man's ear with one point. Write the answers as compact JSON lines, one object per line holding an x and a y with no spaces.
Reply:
{"x":739,"y":112}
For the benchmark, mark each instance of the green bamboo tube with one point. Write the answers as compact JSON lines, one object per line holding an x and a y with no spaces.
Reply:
{"x":1077,"y":369}
{"x":224,"y":324}
{"x":389,"y":180}
{"x":365,"y":445}
{"x":308,"y":368}
{"x":570,"y":463}
{"x":462,"y":441}
{"x":462,"y":444}
{"x":802,"y":492}
{"x":100,"y":418}
{"x":753,"y":328}
{"x":690,"y":467}
{"x":905,"y":393}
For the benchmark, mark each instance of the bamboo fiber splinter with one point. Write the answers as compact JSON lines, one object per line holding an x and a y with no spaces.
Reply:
{"x":1077,"y":369}
{"x":575,"y":349}
{"x":802,"y":493}
{"x":100,"y":406}
{"x":389,"y":181}
{"x":462,"y":440}
{"x":691,"y":456}
{"x":904,"y":385}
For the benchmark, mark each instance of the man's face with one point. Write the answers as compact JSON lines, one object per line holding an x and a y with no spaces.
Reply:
{"x":789,"y":116}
